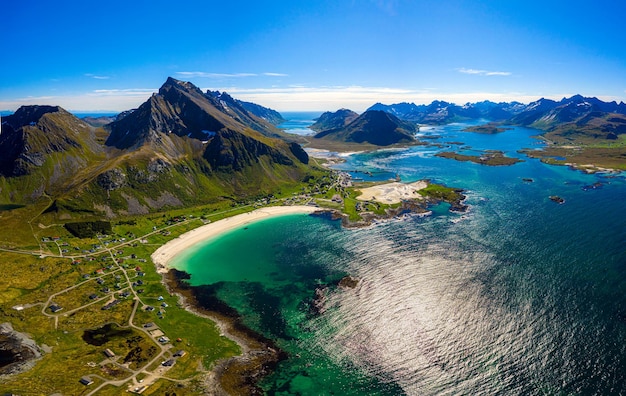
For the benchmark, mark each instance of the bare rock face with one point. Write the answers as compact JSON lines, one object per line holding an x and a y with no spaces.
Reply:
{"x":18,"y":353}
{"x":112,"y":179}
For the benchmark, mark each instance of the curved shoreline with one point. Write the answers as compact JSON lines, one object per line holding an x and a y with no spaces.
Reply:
{"x":167,"y":252}
{"x":259,"y":355}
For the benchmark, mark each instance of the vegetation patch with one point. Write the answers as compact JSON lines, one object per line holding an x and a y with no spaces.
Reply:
{"x":488,"y":157}
{"x":487,"y":129}
{"x":104,"y":334}
{"x":89,"y":229}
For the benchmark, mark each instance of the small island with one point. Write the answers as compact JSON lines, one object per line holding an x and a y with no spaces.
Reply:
{"x":487,"y":129}
{"x":488,"y":157}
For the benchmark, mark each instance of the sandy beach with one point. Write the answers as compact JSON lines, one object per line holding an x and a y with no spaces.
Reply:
{"x":166,"y":252}
{"x":391,"y":193}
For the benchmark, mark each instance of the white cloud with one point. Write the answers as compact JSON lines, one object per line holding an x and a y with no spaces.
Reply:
{"x":483,"y":72}
{"x":123,"y":92}
{"x":197,"y":74}
{"x":275,"y":74}
{"x":97,"y":77}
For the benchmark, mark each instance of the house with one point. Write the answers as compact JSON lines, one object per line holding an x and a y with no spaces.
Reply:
{"x":86,"y":381}
{"x":111,"y":304}
{"x":180,"y":353}
{"x":55,"y":308}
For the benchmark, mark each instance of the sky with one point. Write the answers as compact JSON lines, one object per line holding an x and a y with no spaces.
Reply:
{"x":310,"y":55}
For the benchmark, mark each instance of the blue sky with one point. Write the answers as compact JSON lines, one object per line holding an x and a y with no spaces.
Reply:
{"x":310,"y":55}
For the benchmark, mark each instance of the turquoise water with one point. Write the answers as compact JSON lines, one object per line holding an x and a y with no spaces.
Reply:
{"x":298,"y":122}
{"x":518,"y":296}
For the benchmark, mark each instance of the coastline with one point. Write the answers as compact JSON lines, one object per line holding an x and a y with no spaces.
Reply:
{"x":259,"y":355}
{"x":167,"y":252}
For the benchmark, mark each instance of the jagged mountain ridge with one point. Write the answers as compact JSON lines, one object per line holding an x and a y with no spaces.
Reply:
{"x":178,"y":148}
{"x":374,"y":127}
{"x":244,"y":110}
{"x":441,"y":112}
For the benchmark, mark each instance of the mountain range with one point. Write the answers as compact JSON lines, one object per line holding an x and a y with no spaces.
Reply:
{"x":180,"y":147}
{"x":552,"y":112}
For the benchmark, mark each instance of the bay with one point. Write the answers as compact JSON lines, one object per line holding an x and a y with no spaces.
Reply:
{"x":519,"y":296}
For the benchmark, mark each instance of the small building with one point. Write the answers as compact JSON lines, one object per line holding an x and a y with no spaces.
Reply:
{"x":93,"y":296}
{"x":180,"y":353}
{"x":86,"y":381}
{"x":108,"y":353}
{"x":55,"y":308}
{"x":168,"y":363}
{"x":148,"y":325}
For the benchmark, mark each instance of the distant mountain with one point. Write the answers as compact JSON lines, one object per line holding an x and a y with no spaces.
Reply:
{"x":440,"y":112}
{"x":99,"y":121}
{"x":374,"y":127}
{"x":252,"y":115}
{"x":546,"y":114}
{"x":338,"y":119}
{"x":269,"y":115}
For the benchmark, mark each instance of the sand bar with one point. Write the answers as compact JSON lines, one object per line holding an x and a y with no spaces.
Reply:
{"x":391,"y":193}
{"x":166,"y":252}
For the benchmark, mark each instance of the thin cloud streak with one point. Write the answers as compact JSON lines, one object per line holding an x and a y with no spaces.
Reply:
{"x":483,"y":72}
{"x":201,"y":74}
{"x":97,"y":77}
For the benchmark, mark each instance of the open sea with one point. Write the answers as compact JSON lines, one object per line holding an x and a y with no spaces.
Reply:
{"x":519,"y":296}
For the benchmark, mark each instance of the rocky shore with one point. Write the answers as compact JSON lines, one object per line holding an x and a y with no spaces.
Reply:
{"x":238,"y":375}
{"x":18,"y":352}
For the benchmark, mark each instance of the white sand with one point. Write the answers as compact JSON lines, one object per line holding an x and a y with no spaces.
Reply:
{"x":166,"y":252}
{"x":392,"y":192}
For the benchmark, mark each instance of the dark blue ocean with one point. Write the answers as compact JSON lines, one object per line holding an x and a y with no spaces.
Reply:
{"x":519,"y":296}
